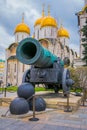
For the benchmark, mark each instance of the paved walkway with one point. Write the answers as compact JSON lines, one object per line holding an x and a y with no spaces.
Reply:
{"x":49,"y":120}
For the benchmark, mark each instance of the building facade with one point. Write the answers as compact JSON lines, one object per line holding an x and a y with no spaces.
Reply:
{"x":2,"y":70}
{"x":82,"y":18}
{"x":47,"y":32}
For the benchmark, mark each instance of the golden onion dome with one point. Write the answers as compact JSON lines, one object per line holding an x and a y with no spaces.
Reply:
{"x":38,"y":21}
{"x":22,"y":27}
{"x":48,"y":21}
{"x":62,"y":32}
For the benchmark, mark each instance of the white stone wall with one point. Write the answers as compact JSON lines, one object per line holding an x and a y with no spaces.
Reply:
{"x":20,"y":36}
{"x":71,"y":57}
{"x":59,"y":49}
{"x":37,"y":32}
{"x":50,"y":47}
{"x":21,"y":70}
{"x":11,"y":74}
{"x":48,"y":32}
{"x":75,"y":55}
{"x":64,"y":41}
{"x":15,"y":76}
{"x":7,"y":53}
{"x":82,"y":19}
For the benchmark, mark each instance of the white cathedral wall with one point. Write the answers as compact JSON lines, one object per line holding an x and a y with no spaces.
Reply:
{"x":21,"y":71}
{"x":50,"y":47}
{"x":48,"y":32}
{"x":11,"y":74}
{"x":15,"y":77}
{"x":55,"y":49}
{"x":66,"y":52}
{"x":7,"y":55}
{"x":37,"y":32}
{"x":59,"y":50}
{"x":20,"y":36}
{"x":64,"y":41}
{"x":71,"y":57}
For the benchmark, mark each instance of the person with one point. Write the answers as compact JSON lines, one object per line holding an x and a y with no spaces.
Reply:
{"x":1,"y":82}
{"x":8,"y":84}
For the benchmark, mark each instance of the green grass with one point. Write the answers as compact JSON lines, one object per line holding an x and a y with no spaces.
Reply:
{"x":38,"y":89}
{"x":76,"y":90}
{"x":12,"y":88}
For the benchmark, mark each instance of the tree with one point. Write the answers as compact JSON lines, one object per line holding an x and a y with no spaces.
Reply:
{"x":84,"y":40}
{"x":81,"y":73}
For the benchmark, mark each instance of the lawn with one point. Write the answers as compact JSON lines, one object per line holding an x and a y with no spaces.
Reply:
{"x":37,"y":89}
{"x":14,"y":89}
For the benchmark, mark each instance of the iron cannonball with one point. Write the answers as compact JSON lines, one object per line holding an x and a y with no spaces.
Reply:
{"x":40,"y":104}
{"x":19,"y":106}
{"x":25,"y":90}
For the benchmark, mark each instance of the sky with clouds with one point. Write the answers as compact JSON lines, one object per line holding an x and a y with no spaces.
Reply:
{"x":62,"y":10}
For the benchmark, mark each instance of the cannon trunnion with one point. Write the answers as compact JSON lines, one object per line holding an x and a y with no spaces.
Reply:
{"x":46,"y":68}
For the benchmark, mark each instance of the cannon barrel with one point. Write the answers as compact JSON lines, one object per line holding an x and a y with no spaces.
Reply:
{"x":30,"y":52}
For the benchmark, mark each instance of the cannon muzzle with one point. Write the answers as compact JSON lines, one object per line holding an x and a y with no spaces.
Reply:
{"x":30,"y":51}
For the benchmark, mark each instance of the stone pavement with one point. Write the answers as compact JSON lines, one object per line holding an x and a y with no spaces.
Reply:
{"x":52,"y":120}
{"x":48,"y":120}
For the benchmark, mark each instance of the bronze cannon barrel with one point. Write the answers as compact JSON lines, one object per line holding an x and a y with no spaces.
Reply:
{"x":30,"y":52}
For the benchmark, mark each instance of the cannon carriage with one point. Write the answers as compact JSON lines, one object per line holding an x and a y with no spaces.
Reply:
{"x":46,"y":68}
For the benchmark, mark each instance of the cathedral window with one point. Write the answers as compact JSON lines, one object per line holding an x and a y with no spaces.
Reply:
{"x":8,"y":67}
{"x":51,"y":31}
{"x":17,"y":38}
{"x":38,"y":34}
{"x":22,"y":36}
{"x":45,"y":32}
{"x":15,"y":68}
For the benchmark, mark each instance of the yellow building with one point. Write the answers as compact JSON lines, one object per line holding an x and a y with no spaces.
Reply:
{"x":2,"y":69}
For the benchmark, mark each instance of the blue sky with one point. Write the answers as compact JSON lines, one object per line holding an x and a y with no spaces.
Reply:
{"x":62,"y":10}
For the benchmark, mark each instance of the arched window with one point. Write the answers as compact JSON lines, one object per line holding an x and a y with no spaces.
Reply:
{"x":51,"y":32}
{"x":38,"y":34}
{"x":45,"y":32}
{"x":8,"y":67}
{"x":17,"y":38}
{"x":22,"y":36}
{"x":15,"y":68}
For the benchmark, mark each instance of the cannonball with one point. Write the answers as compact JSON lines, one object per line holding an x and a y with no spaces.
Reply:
{"x":25,"y":90}
{"x":19,"y":106}
{"x":40,"y":104}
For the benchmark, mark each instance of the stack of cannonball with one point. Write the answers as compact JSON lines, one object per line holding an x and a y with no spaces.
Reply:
{"x":24,"y":102}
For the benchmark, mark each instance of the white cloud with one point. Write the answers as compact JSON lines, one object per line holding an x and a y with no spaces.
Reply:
{"x":5,"y":38}
{"x":5,"y":41}
{"x":11,"y":14}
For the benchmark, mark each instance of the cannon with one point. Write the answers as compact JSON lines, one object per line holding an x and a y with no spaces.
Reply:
{"x":46,"y":68}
